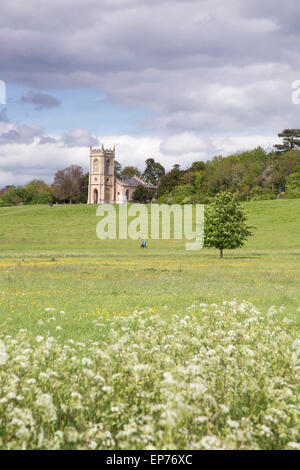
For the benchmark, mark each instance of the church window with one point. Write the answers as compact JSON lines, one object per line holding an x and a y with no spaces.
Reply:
{"x":96,"y":166}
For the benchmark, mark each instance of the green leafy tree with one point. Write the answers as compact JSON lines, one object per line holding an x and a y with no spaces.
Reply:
{"x":130,"y":172}
{"x":118,"y":169}
{"x":282,"y":166}
{"x":197,"y":166}
{"x":182,"y":194}
{"x":189,"y":175}
{"x":153,"y":171}
{"x":170,"y":181}
{"x":226,"y":223}
{"x":293,"y":183}
{"x":13,"y":195}
{"x":17,"y":195}
{"x":291,"y":140}
{"x":141,"y":194}
{"x":37,"y":192}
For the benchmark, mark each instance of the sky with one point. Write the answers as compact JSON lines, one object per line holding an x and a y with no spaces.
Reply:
{"x":179,"y":80}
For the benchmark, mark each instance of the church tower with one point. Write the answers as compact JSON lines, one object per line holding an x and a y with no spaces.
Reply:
{"x":101,"y":179}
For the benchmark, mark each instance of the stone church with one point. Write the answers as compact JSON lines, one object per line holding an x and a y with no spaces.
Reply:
{"x":104,"y":187}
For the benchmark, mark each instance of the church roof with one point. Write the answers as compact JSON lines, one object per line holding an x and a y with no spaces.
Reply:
{"x":131,"y":181}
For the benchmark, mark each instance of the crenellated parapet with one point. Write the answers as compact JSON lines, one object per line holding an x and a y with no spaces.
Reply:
{"x":142,"y":181}
{"x":102,"y":151}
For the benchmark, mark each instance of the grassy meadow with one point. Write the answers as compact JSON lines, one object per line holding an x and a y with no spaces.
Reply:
{"x":51,"y":257}
{"x":157,"y":348}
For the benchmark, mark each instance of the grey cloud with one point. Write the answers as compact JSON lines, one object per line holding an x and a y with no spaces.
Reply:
{"x":20,"y":134}
{"x":40,"y":100}
{"x":204,"y":65}
{"x":79,"y":138}
{"x":10,"y":137}
{"x":47,"y":140}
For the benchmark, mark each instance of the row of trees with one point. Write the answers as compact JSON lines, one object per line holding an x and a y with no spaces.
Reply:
{"x":254,"y":174}
{"x":35,"y":192}
{"x":69,"y":185}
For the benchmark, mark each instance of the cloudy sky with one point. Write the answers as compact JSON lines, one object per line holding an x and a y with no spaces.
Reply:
{"x":178,"y":80}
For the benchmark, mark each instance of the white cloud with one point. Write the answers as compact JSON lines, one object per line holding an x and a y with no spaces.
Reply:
{"x":19,"y":163}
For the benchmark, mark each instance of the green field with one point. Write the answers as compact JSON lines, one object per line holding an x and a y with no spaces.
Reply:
{"x":50,"y":258}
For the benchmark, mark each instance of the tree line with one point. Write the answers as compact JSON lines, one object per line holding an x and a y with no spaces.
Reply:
{"x":251,"y":175}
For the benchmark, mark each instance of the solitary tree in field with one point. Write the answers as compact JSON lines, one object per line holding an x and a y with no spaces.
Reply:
{"x":225,"y":223}
{"x":291,"y":140}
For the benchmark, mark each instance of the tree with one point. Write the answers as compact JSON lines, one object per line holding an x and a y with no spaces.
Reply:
{"x":291,"y":140}
{"x":197,"y":166}
{"x":141,"y":194}
{"x":37,"y":192}
{"x":293,"y":183}
{"x":14,"y":195}
{"x":153,"y":171}
{"x":169,"y":181}
{"x":130,"y":172}
{"x":118,"y":169}
{"x":83,"y":188}
{"x":67,"y":183}
{"x":282,"y":166}
{"x":176,"y":166}
{"x":225,"y":223}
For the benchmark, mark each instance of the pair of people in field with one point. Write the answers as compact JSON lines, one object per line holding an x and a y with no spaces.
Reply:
{"x":144,"y":244}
